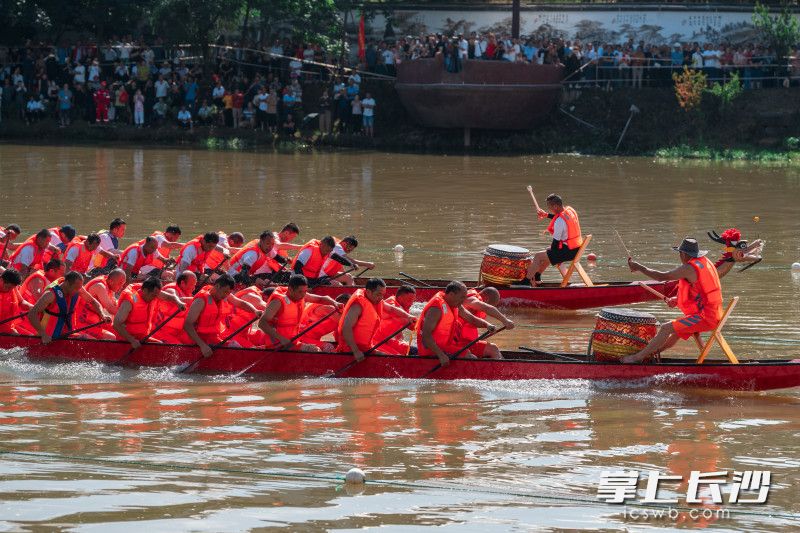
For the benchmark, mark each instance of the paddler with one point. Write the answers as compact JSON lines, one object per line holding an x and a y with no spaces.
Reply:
{"x":28,"y":257}
{"x":284,"y":238}
{"x":108,"y":252}
{"x":567,"y":239}
{"x":339,"y":257}
{"x":205,"y":320}
{"x":137,"y":307}
{"x":282,"y":317}
{"x":11,"y":303}
{"x":104,"y":289}
{"x":312,"y":255}
{"x":481,"y":304}
{"x":59,"y":240}
{"x":437,"y":326}
{"x":395,"y":312}
{"x":139,"y":255}
{"x":167,"y":241}
{"x":316,"y":311}
{"x":194,"y":253}
{"x":361,"y":318}
{"x":699,"y":298}
{"x":173,"y":332}
{"x":53,"y":315}
{"x":258,"y":256}
{"x":35,"y":284}
{"x":80,"y":253}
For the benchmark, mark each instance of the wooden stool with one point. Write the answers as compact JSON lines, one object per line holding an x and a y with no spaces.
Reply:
{"x":575,"y":266}
{"x":716,"y":335}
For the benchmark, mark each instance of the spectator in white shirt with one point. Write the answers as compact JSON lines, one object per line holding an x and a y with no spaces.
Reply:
{"x":185,"y":118}
{"x":162,"y":87}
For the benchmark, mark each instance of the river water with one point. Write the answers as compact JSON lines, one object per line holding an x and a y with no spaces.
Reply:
{"x":89,"y":448}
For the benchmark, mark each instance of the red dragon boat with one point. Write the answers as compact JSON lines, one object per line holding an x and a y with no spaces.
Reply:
{"x":748,"y":375}
{"x":545,"y":296}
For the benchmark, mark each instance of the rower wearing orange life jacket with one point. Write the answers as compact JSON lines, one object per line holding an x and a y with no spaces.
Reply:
{"x":699,"y":298}
{"x":312,"y":255}
{"x":394,"y":314}
{"x":59,"y":240}
{"x":28,"y":257}
{"x":137,"y":307}
{"x":567,"y":239}
{"x":238,"y":317}
{"x":172,"y":332}
{"x":166,"y":242}
{"x":108,"y":252}
{"x":339,"y":257}
{"x":194,"y":253}
{"x":12,"y":304}
{"x":437,"y":328}
{"x":7,"y":244}
{"x":361,"y":318}
{"x":53,"y":315}
{"x":329,"y":326}
{"x":481,"y":304}
{"x":35,"y":284}
{"x":205,"y":320}
{"x":138,"y":255}
{"x":259,"y":255}
{"x":80,"y":253}
{"x":104,"y":289}
{"x":284,"y":313}
{"x":284,"y":238}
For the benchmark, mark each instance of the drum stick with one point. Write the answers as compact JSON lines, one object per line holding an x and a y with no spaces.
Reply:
{"x":530,"y":190}
{"x":651,"y":290}
{"x":619,"y":237}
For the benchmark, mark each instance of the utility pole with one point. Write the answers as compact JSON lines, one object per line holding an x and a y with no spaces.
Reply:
{"x":515,"y":19}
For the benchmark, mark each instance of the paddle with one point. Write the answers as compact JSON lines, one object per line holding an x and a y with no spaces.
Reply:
{"x":122,"y":359}
{"x":552,"y":354}
{"x":651,"y":290}
{"x":359,"y":274}
{"x":384,"y":341}
{"x":465,"y":348}
{"x":15,"y":317}
{"x":190,"y":366}
{"x":324,"y":279}
{"x":412,"y":278}
{"x":206,"y":277}
{"x":74,"y":331}
{"x":309,"y":328}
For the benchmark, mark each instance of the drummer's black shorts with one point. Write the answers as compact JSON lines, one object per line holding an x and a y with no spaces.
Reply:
{"x":561,"y":255}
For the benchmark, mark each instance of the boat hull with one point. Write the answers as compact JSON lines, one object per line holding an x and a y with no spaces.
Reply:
{"x":748,"y":376}
{"x":544,"y":297}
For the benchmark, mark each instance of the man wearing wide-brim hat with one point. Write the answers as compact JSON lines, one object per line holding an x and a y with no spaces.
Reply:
{"x":699,"y":298}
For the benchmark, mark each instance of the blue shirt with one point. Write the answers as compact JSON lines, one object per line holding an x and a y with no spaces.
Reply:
{"x":64,"y":99}
{"x":191,"y":91}
{"x":677,"y":57}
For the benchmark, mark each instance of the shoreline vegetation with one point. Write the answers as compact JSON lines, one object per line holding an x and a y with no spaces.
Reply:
{"x":762,"y":126}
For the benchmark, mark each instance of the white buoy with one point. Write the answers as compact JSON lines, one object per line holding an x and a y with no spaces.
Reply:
{"x":355,"y":476}
{"x":399,"y":248}
{"x":795,"y":266}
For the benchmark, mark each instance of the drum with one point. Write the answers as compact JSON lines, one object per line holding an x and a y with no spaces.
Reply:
{"x":621,"y":332}
{"x":504,"y":264}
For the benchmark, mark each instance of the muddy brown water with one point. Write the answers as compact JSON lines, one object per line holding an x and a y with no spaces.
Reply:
{"x":96,"y":449}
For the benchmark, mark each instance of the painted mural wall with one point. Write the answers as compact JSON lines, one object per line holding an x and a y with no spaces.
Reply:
{"x":651,"y":26}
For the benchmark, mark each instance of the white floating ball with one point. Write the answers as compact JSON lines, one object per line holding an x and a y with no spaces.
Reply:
{"x":399,"y":248}
{"x":795,"y":266}
{"x":355,"y":476}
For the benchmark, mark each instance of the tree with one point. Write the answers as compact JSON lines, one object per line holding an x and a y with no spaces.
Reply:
{"x":780,"y":31}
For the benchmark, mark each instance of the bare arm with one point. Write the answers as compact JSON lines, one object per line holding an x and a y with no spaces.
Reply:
{"x":472,"y":319}
{"x":397,"y":311}
{"x":474,"y":304}
{"x":106,"y":301}
{"x":682,"y":272}
{"x":288,"y":246}
{"x":91,"y":300}
{"x":325,"y":300}
{"x":242,"y":304}
{"x":169,"y":296}
{"x":119,"y":324}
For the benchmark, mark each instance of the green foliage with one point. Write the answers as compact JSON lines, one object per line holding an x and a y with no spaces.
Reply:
{"x":728,"y":91}
{"x":781,"y":31}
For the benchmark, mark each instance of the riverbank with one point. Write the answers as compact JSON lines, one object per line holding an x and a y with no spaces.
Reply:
{"x":761,"y":125}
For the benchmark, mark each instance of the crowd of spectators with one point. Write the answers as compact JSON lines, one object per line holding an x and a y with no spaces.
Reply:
{"x":152,"y":85}
{"x":630,"y":63}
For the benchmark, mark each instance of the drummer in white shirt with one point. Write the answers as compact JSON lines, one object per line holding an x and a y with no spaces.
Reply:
{"x":567,"y":239}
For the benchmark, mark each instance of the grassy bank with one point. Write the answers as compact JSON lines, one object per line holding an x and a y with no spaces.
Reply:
{"x":761,"y":126}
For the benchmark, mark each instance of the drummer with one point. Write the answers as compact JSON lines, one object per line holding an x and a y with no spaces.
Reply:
{"x":699,"y":298}
{"x":567,"y":239}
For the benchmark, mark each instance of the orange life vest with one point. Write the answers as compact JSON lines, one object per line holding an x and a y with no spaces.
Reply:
{"x":366,"y":325}
{"x":312,"y":267}
{"x":173,"y":328}
{"x":444,"y":334}
{"x":327,"y":326}
{"x":211,"y":320}
{"x":38,"y":254}
{"x":237,"y":317}
{"x":333,"y":266}
{"x":703,"y":297}
{"x":467,"y":331}
{"x":199,"y":260}
{"x":140,"y":317}
{"x":287,"y":319}
{"x":389,"y":322}
{"x":57,"y":319}
{"x":85,"y":313}
{"x":25,"y":289}
{"x":570,"y":217}
{"x":261,"y":258}
{"x":9,"y":306}
{"x":141,"y":259}
{"x":84,"y":259}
